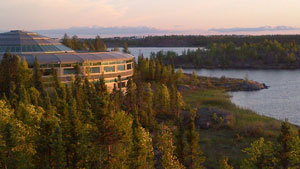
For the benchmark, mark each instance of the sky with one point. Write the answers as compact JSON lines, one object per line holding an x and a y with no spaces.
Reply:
{"x":184,"y":15}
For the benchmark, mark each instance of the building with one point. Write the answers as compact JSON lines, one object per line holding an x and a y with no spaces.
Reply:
{"x":50,"y":53}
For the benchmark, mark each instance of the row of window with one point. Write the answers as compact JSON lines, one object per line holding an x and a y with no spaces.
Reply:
{"x":93,"y":70}
{"x":113,"y":63}
{"x":68,"y":71}
{"x":92,"y":64}
{"x":116,"y":62}
{"x":83,"y":64}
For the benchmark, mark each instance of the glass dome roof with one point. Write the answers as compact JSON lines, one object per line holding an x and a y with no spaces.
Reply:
{"x":27,"y":42}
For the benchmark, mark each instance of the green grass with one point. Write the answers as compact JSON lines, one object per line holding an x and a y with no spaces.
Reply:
{"x":247,"y":126}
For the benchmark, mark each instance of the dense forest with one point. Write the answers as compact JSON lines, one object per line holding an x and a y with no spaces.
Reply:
{"x":196,"y":40}
{"x":264,"y":55}
{"x":254,"y":52}
{"x":147,"y":124}
{"x":93,"y":45}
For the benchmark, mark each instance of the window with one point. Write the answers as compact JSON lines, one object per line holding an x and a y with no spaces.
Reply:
{"x":24,"y":49}
{"x":114,"y":62}
{"x":70,"y":71}
{"x":65,"y":65}
{"x":12,"y":49}
{"x":93,"y":70}
{"x":44,"y":66}
{"x":2,"y":49}
{"x":121,"y":67}
{"x":109,"y":69}
{"x":47,"y":72}
{"x":97,"y":63}
{"x":18,"y":49}
{"x":122,"y":84}
{"x":129,"y":66}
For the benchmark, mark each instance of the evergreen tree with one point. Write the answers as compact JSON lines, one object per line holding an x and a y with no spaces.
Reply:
{"x":58,"y":146}
{"x":15,"y":72}
{"x":193,"y":157}
{"x":37,"y":76}
{"x":113,"y":137}
{"x":75,"y":43}
{"x":164,"y":100}
{"x":285,"y":148}
{"x":125,"y":48}
{"x":180,"y":141}
{"x":130,"y":99}
{"x":142,"y":155}
{"x":176,"y":101}
{"x":77,"y":88}
{"x":100,"y":86}
{"x":85,"y":46}
{"x":194,"y":79}
{"x":99,"y":45}
{"x":74,"y":131}
{"x":17,"y":149}
{"x":166,"y":147}
{"x":180,"y":77}
{"x":48,"y":123}
{"x":260,"y":155}
{"x":295,"y":153}
{"x":150,"y":113}
{"x":67,"y":41}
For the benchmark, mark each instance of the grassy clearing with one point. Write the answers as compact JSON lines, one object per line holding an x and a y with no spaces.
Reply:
{"x":247,"y":126}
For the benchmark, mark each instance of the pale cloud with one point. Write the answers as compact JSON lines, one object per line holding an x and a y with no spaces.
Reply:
{"x":44,"y":14}
{"x":162,"y":14}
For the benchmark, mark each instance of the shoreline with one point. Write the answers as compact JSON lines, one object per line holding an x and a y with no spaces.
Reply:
{"x":227,"y":83}
{"x":237,"y":67}
{"x":238,"y":129}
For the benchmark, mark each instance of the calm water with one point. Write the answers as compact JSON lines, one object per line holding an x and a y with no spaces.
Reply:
{"x":281,"y":100}
{"x":146,"y":51}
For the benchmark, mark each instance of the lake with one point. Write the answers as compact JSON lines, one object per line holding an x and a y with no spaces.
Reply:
{"x":146,"y":51}
{"x":281,"y":100}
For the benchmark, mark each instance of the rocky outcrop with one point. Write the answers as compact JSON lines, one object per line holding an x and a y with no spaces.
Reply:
{"x":229,"y":84}
{"x":249,"y":86}
{"x":211,"y":117}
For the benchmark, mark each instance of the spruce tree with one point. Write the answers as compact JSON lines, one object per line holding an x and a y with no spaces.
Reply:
{"x":142,"y":155}
{"x":99,"y":45}
{"x":148,"y":101}
{"x":74,"y":138}
{"x":125,"y":48}
{"x":130,"y":97}
{"x":285,"y":148}
{"x":37,"y":76}
{"x":261,"y":154}
{"x":58,"y":149}
{"x":166,"y":147}
{"x":16,"y":140}
{"x":193,"y":156}
{"x":164,"y":105}
{"x":67,"y":41}
{"x":180,"y":141}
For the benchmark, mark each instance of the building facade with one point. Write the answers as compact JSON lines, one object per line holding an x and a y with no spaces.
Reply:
{"x":116,"y":67}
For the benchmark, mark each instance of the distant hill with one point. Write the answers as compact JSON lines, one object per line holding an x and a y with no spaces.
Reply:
{"x":88,"y":32}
